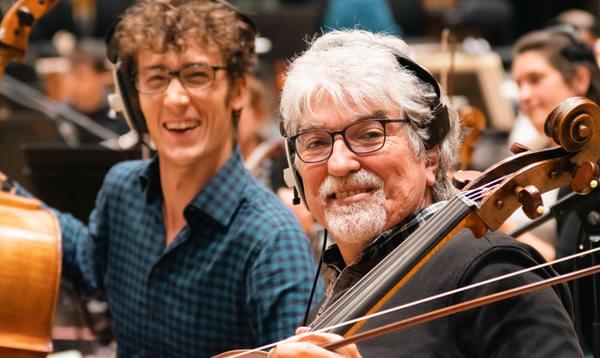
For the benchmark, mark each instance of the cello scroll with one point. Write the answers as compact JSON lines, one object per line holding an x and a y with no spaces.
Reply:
{"x":16,"y":26}
{"x":574,"y":124}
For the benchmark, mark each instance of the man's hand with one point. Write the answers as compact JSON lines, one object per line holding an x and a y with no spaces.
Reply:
{"x":306,"y":344}
{"x":5,"y":184}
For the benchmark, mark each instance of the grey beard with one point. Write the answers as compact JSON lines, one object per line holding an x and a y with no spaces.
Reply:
{"x":357,"y":223}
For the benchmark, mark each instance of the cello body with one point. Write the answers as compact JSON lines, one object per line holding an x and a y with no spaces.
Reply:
{"x":30,"y":244}
{"x":30,"y":265}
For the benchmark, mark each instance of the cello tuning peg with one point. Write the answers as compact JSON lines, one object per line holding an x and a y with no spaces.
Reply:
{"x":586,"y":177}
{"x":462,"y":178}
{"x":25,"y":17}
{"x":517,"y":148}
{"x":531,"y":200}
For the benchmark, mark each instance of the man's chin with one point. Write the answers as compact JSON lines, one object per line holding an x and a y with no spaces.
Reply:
{"x":355,"y":225}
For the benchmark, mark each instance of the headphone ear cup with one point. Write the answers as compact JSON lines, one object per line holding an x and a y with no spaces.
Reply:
{"x":126,"y":100}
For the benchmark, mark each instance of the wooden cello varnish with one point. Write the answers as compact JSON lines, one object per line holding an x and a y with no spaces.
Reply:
{"x":30,"y":262}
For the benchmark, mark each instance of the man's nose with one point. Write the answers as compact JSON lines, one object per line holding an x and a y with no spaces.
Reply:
{"x":342,"y":161}
{"x":175,"y":93}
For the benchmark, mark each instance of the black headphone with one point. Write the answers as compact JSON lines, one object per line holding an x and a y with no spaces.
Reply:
{"x":126,"y":99}
{"x":576,"y":50}
{"x":437,"y":128}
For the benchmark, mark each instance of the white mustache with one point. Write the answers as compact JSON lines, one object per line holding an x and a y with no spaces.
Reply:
{"x":361,"y":178}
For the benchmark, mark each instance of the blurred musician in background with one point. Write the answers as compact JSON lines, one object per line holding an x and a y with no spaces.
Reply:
{"x":550,"y":66}
{"x":85,"y":88}
{"x":585,"y":24}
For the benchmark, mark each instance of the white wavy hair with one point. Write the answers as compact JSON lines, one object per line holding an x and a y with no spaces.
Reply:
{"x":359,"y":69}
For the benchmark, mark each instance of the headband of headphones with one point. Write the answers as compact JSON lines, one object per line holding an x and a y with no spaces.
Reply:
{"x":437,"y":128}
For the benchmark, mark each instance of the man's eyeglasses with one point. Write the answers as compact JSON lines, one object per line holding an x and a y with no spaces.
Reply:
{"x":195,"y":76}
{"x":361,"y":137}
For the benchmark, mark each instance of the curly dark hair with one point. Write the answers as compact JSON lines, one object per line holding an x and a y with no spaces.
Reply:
{"x":166,"y":25}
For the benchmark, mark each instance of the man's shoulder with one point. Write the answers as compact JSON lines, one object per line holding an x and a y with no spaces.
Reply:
{"x":261,"y":207}
{"x":264,"y":216}
{"x":465,"y":254}
{"x":467,"y":245}
{"x":125,"y":172}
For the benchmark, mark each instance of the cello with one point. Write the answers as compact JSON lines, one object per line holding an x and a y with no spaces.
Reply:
{"x":492,"y":197}
{"x":30,"y":254}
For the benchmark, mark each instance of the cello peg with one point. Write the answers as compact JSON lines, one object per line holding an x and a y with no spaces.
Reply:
{"x":517,"y":148}
{"x":586,"y":177}
{"x":531,"y":200}
{"x":462,"y":178}
{"x":25,"y":17}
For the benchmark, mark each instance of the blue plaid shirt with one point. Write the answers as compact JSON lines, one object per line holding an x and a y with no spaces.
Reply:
{"x":237,"y":276}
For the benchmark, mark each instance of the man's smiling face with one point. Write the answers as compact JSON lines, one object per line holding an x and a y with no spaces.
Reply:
{"x":357,"y":196}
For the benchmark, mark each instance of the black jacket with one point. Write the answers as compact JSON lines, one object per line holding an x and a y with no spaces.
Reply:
{"x":537,"y":324}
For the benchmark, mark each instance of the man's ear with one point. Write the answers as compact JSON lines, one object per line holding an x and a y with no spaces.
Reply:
{"x":238,"y":94}
{"x":431,"y":167}
{"x":581,"y":80}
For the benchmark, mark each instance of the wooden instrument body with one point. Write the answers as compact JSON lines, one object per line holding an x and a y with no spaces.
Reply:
{"x":30,"y":265}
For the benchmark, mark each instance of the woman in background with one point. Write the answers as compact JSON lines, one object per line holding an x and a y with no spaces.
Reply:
{"x":550,"y":66}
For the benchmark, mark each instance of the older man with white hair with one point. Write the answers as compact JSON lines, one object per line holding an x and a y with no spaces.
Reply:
{"x":370,"y":139}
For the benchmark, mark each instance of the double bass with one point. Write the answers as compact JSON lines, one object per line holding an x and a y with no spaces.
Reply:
{"x":30,"y":245}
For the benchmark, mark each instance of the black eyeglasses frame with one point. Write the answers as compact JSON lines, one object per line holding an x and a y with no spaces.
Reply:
{"x":342,"y":132}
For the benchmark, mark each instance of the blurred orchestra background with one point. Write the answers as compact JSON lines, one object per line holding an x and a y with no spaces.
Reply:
{"x":58,"y":135}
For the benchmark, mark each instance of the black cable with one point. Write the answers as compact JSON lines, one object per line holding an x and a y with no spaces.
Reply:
{"x":316,"y":280}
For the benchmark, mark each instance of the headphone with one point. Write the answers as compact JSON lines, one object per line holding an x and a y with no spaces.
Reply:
{"x":437,"y":128}
{"x":577,"y":50}
{"x":126,"y":98}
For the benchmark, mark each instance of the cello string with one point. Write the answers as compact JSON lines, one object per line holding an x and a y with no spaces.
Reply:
{"x":482,"y":193}
{"x":462,"y":306}
{"x":479,"y":192}
{"x":461,"y":289}
{"x":425,"y":300}
{"x":482,"y":187}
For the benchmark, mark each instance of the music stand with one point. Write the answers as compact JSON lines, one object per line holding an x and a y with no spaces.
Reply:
{"x":68,"y":179}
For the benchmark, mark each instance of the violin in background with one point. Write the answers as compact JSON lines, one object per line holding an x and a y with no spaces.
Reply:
{"x":472,"y":122}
